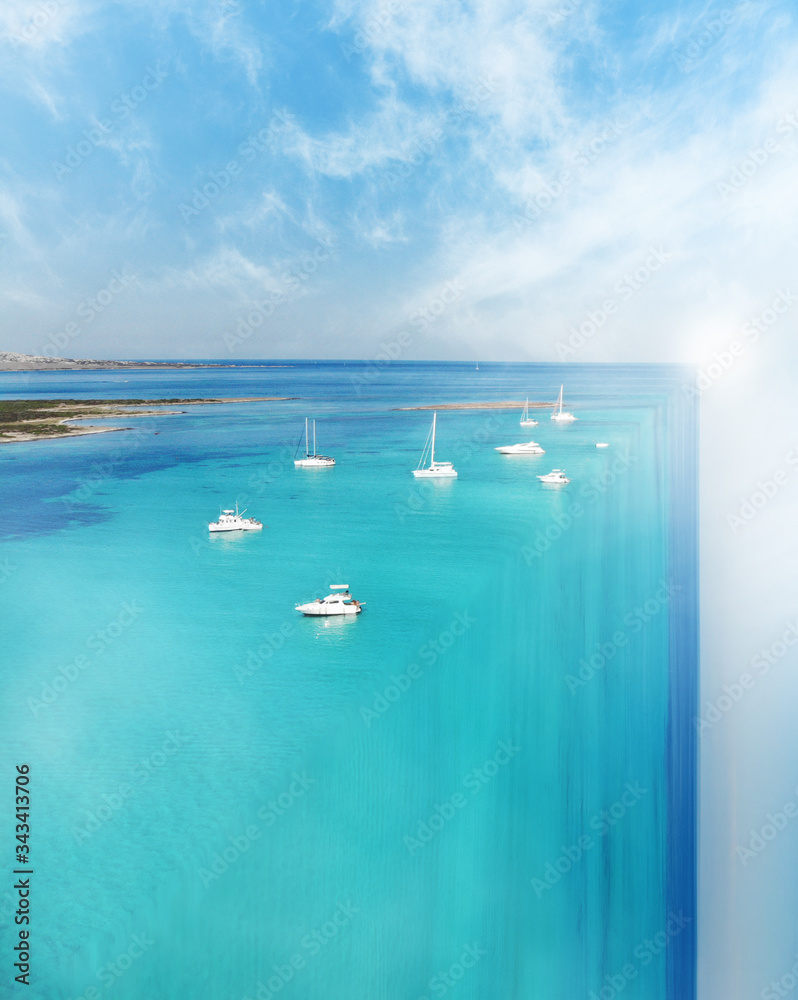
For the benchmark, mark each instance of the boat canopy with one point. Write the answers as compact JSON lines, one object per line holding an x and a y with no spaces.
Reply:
{"x":339,"y":586}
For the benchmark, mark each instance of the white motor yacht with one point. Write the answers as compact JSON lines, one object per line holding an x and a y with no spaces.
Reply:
{"x":560,"y":415}
{"x":530,"y":448}
{"x":602,"y":444}
{"x":556,"y":477}
{"x":525,"y":420}
{"x":234,"y":520}
{"x":435,"y":470}
{"x":313,"y":461}
{"x":339,"y":602}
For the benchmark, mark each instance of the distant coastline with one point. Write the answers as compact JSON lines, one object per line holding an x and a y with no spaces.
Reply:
{"x":14,"y":362}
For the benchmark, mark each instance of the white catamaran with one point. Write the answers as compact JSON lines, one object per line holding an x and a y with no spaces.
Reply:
{"x":525,"y":421}
{"x":313,"y":461}
{"x":435,"y":470}
{"x":560,"y":415}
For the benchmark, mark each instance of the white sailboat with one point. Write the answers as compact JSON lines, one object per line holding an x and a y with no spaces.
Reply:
{"x":313,"y":461}
{"x":435,"y":470}
{"x":560,"y":415}
{"x":525,"y":421}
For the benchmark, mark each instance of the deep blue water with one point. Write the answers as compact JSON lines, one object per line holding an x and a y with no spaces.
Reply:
{"x":454,"y":808}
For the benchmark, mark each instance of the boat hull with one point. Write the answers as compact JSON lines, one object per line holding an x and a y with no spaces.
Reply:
{"x":434,"y":474}
{"x":517,"y":450}
{"x":563,"y":418}
{"x":319,"y":611}
{"x":215,"y":528}
{"x":314,"y":463}
{"x":529,"y":423}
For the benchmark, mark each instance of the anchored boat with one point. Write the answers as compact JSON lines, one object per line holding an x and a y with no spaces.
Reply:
{"x":313,"y":461}
{"x":525,"y":420}
{"x":435,"y":470}
{"x":560,"y":415}
{"x":555,"y":478}
{"x":530,"y":448}
{"x":339,"y":602}
{"x":234,"y":520}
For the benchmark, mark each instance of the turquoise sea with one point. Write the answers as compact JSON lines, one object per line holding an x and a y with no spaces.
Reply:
{"x":482,"y":787}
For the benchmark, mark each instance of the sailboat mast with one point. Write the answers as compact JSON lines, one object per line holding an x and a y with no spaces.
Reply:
{"x":314,"y":438}
{"x":307,"y":451}
{"x":434,"y":420}
{"x":561,"y":389}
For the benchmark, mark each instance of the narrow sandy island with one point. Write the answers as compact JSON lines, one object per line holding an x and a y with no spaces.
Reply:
{"x":13,"y":361}
{"x":504,"y":405}
{"x":47,"y":419}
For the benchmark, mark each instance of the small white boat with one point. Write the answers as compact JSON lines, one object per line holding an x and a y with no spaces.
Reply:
{"x":435,"y":470}
{"x":530,"y":448}
{"x":560,"y":415}
{"x":602,"y":444}
{"x":234,"y":520}
{"x":313,"y":461}
{"x":339,"y":602}
{"x":525,"y":421}
{"x":556,"y":477}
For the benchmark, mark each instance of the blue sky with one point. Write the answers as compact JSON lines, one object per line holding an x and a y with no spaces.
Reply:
{"x":482,"y":176}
